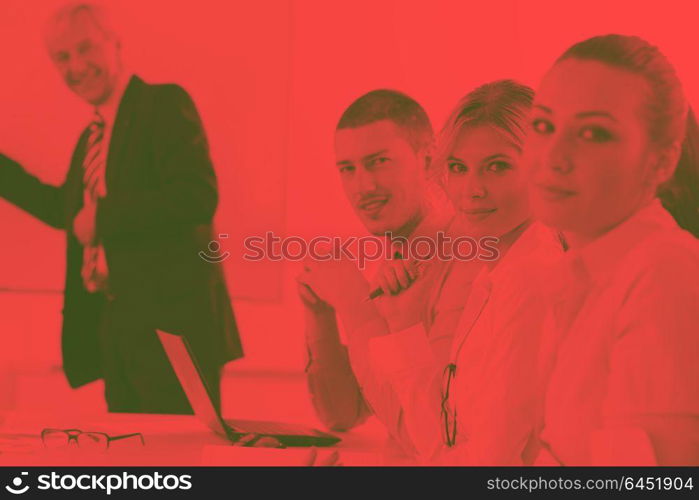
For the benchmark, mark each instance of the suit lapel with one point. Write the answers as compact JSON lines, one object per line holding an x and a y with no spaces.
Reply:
{"x":74,"y":180}
{"x":123,"y":126}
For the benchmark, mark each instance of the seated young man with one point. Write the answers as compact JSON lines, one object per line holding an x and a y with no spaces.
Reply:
{"x":382,"y":146}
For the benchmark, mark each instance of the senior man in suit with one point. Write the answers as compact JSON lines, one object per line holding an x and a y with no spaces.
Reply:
{"x":137,"y":206}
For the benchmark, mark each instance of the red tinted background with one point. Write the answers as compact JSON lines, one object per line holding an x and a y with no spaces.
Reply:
{"x":270,"y":79}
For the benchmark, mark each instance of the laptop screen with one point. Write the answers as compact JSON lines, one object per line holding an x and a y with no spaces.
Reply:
{"x":185,"y":367}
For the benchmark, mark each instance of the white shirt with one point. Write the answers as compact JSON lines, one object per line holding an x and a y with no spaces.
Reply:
{"x":109,"y":109}
{"x":326,"y":374}
{"x":495,"y":349}
{"x":621,"y":346}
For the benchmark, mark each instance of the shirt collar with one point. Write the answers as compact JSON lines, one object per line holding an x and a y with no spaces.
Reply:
{"x":434,"y":221}
{"x":598,"y":259}
{"x":536,"y":239}
{"x":109,"y":108}
{"x":603,"y":255}
{"x":537,"y":245}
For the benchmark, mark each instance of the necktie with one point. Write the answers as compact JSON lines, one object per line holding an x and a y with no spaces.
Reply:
{"x":94,"y":269}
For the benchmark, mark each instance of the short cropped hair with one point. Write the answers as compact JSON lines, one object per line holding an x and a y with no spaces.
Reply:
{"x":96,"y":11}
{"x":387,"y":104}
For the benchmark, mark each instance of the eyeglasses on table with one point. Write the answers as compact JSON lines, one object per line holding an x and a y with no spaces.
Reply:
{"x":90,"y":440}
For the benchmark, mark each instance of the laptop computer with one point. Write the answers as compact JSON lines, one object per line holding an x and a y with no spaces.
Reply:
{"x":185,"y":366}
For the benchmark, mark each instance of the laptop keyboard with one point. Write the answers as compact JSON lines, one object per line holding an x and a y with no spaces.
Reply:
{"x":272,"y":428}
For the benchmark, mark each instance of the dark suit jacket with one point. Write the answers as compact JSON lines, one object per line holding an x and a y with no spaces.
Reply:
{"x":156,"y":217}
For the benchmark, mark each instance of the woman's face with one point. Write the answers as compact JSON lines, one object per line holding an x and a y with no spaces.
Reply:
{"x":587,"y":155}
{"x":485,"y":183}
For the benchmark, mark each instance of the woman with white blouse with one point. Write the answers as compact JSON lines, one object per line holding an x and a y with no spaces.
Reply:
{"x":613,"y":166}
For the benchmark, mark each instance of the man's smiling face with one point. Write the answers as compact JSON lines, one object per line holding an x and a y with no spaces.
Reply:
{"x":86,"y":56}
{"x":382,"y":175}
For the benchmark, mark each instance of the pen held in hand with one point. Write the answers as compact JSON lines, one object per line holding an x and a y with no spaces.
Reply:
{"x":378,"y":291}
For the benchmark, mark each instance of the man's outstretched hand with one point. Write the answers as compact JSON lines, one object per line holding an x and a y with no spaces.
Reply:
{"x":84,"y":224}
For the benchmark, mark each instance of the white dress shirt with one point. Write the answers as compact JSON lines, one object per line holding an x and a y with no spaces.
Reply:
{"x":621,"y":348}
{"x":494,"y":349}
{"x":108,"y":112}
{"x":110,"y":108}
{"x":348,"y":366}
